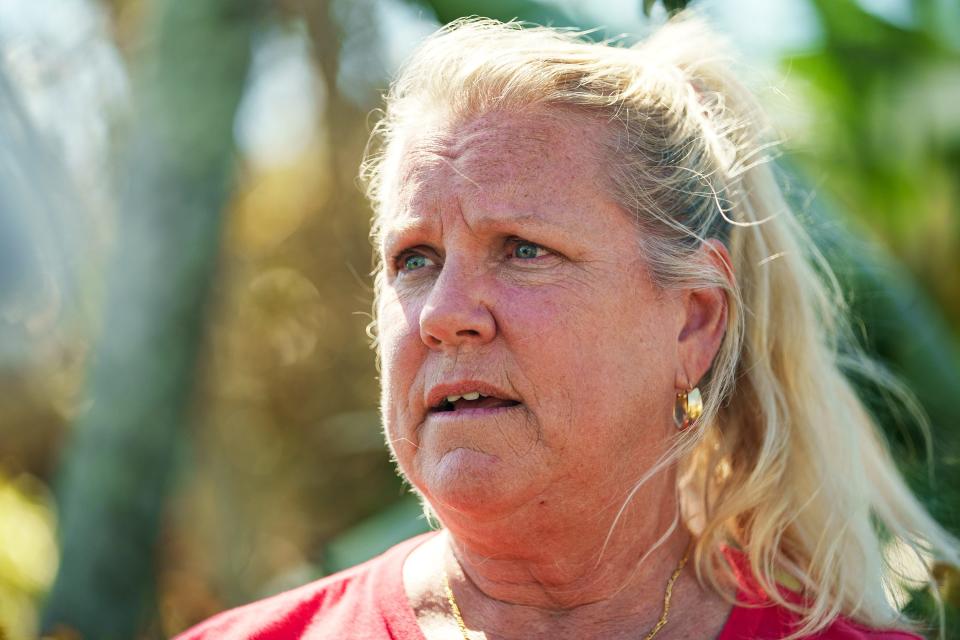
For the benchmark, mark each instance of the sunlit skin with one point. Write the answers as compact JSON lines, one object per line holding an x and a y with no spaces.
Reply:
{"x":508,"y":263}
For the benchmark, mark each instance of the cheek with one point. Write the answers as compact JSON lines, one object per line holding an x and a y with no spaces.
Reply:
{"x":398,"y":329}
{"x":401,"y":355}
{"x":603,"y":340}
{"x":548,"y":335}
{"x":599,"y":367}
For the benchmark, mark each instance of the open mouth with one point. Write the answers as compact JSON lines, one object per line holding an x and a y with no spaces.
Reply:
{"x":472,"y":401}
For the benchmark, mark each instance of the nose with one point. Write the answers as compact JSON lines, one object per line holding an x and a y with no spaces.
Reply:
{"x":455,"y":313}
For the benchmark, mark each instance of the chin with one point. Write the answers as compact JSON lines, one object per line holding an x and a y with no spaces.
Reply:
{"x":470,"y":482}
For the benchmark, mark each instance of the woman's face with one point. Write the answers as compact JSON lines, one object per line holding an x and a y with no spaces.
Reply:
{"x":510,"y":273}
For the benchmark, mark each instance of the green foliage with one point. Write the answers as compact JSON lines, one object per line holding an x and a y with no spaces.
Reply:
{"x":175,"y":178}
{"x":886,"y":139}
{"x":672,"y":6}
{"x":288,"y":457}
{"x":886,"y":145}
{"x":505,"y":10}
{"x":401,"y":520}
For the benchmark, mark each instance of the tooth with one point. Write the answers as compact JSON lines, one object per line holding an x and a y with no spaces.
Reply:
{"x":452,"y":399}
{"x":473,"y":395}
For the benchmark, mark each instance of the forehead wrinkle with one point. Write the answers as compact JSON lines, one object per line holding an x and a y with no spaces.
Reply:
{"x":486,"y":149}
{"x":421,"y":168}
{"x":520,"y":137}
{"x":450,"y":163}
{"x":498,"y":159}
{"x":416,"y":223}
{"x":497,"y":155}
{"x":419,"y":221}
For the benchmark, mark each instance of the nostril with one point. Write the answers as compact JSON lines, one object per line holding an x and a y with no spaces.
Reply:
{"x":453,"y":320}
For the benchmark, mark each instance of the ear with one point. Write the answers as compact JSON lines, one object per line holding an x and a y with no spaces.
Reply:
{"x":705,"y":318}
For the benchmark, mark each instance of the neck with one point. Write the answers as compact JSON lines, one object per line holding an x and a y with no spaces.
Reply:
{"x":560,"y":571}
{"x":575,"y":577}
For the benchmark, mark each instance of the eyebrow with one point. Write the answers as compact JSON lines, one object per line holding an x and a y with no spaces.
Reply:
{"x":414,"y":225}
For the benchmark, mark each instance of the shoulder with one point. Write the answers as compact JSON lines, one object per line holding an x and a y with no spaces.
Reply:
{"x":756,"y":617}
{"x":289,"y":614}
{"x":847,"y":629}
{"x":772,"y":622}
{"x":360,"y":599}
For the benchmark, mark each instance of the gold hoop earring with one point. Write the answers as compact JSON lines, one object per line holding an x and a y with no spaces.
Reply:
{"x":688,"y":408}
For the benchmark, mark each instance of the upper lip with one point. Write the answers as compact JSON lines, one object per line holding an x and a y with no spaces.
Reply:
{"x":439,"y":393}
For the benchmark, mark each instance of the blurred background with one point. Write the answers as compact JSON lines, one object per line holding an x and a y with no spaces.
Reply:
{"x":187,"y":398}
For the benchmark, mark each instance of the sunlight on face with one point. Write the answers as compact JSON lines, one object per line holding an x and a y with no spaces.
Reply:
{"x":526,"y":354}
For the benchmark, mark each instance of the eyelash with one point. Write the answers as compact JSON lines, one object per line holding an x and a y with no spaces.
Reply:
{"x":400,"y":258}
{"x":512,"y":243}
{"x":517,"y":242}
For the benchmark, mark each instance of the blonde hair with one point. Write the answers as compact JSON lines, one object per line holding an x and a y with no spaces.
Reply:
{"x":786,"y":463}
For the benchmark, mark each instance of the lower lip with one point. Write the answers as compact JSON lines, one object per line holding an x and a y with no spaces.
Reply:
{"x":468,"y":414}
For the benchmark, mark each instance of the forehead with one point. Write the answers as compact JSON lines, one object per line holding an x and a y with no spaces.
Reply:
{"x":545,"y":155}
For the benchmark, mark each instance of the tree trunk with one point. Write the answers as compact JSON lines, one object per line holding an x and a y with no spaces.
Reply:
{"x":174,"y":178}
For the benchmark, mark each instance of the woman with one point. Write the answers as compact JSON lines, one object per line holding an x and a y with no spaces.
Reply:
{"x":609,"y":365}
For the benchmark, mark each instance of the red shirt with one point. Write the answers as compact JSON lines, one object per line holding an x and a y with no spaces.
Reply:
{"x":368,"y":602}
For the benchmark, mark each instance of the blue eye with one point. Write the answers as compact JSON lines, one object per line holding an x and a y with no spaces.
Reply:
{"x":527,"y":250}
{"x":415,"y":261}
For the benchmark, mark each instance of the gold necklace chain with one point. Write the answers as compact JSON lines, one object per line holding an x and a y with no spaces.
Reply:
{"x":667,"y":594}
